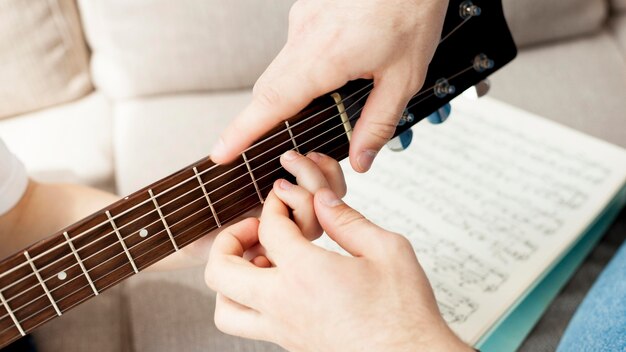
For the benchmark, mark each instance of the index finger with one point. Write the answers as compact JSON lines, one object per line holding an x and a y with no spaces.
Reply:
{"x":288,"y":85}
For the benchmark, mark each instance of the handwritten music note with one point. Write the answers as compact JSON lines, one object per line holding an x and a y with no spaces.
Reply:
{"x":486,"y":200}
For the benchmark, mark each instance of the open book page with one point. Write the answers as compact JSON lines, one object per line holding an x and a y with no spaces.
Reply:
{"x":489,"y":200}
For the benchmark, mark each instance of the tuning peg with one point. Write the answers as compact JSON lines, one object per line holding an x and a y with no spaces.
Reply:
{"x":401,"y":142}
{"x":443,"y":87}
{"x":468,"y":9}
{"x":441,"y":115}
{"x":479,"y":90}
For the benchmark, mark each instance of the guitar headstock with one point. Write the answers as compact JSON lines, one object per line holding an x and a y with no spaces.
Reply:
{"x":476,"y":42}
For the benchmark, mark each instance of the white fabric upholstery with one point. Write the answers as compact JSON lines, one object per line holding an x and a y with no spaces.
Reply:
{"x":538,"y":21}
{"x":148,"y":47}
{"x":13,"y":179}
{"x":154,"y":137}
{"x":43,"y":57}
{"x":579,"y":83}
{"x":68,"y":143}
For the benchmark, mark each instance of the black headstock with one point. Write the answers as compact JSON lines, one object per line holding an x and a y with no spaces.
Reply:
{"x":476,"y":42}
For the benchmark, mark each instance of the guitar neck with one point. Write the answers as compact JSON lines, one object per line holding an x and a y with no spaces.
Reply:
{"x":83,"y":260}
{"x":52,"y":276}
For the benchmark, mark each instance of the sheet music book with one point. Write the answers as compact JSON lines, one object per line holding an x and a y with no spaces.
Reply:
{"x":492,"y":201}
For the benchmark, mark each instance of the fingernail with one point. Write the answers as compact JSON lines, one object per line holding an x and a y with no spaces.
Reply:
{"x":284,"y":184}
{"x":290,"y":155}
{"x":366,"y":158}
{"x":330,"y":199}
{"x":219,"y":147}
{"x":314,"y":156}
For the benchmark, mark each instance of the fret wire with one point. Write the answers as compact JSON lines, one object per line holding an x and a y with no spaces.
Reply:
{"x":295,"y":145}
{"x":258,"y":192}
{"x":237,"y":214}
{"x":167,"y":228}
{"x":424,"y":91}
{"x":206,"y":195}
{"x":176,"y":185}
{"x":119,"y":237}
{"x":15,"y":321}
{"x":80,"y":262}
{"x":43,"y":285}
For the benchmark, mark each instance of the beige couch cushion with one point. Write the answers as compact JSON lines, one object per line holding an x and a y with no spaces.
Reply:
{"x":96,"y":325}
{"x":148,"y":47}
{"x":537,"y":21}
{"x":618,"y":26}
{"x":154,"y":137}
{"x":43,"y":57}
{"x":579,"y":83}
{"x":67,"y":143}
{"x":173,"y":311}
{"x":619,"y":5}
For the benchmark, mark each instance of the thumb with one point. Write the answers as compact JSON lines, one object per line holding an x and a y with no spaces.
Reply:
{"x":379,"y":119}
{"x":285,"y":88}
{"x":344,"y":225}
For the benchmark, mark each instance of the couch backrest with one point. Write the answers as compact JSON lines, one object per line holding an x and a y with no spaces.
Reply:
{"x":539,"y":21}
{"x":150,"y":47}
{"x":43,"y":56}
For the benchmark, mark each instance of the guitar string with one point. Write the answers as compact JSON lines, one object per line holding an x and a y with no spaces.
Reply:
{"x":166,"y":191}
{"x":214,"y":166}
{"x":178,"y":197}
{"x":174,"y":212}
{"x":340,"y":125}
{"x":115,"y":243}
{"x":243,"y":211}
{"x":336,"y":105}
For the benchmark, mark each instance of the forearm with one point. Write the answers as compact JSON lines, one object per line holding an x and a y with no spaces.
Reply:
{"x":44,"y":209}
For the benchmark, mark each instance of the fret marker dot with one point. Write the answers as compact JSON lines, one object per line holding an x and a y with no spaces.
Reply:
{"x":62,"y":275}
{"x":143,"y":233}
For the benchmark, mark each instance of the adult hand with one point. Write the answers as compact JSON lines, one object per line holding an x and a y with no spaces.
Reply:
{"x":333,"y":42}
{"x":305,"y":298}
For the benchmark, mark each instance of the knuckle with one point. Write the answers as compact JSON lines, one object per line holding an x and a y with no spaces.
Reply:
{"x":383,"y":130}
{"x":398,"y":243}
{"x":265,"y":95}
{"x":221,"y":322}
{"x":209,"y":276}
{"x":348,"y":217}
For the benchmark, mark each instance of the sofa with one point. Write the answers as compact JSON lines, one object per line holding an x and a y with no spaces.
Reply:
{"x":116,"y":94}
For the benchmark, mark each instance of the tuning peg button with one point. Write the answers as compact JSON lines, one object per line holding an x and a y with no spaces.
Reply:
{"x":443,"y":87}
{"x":467,"y":9}
{"x":401,"y":142}
{"x":441,"y":115}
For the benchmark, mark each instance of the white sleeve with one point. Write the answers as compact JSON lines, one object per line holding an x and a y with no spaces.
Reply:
{"x":13,"y":179}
